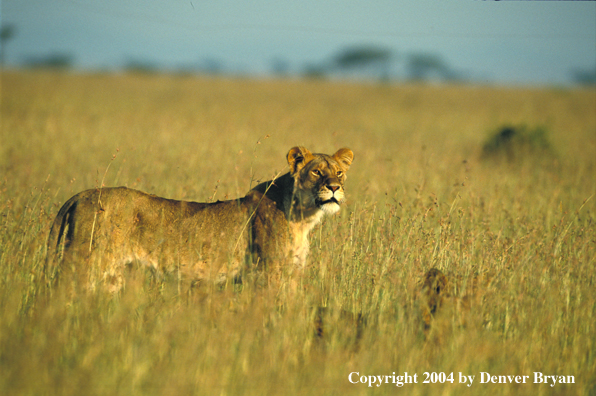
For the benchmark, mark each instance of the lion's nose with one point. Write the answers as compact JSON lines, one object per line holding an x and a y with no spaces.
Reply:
{"x":333,"y":188}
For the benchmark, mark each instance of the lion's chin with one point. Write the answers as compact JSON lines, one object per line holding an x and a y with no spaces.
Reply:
{"x":329,"y":207}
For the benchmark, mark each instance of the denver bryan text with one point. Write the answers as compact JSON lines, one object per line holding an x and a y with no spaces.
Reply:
{"x":539,"y":378}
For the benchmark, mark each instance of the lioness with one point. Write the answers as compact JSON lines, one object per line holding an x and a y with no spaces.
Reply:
{"x":100,"y":231}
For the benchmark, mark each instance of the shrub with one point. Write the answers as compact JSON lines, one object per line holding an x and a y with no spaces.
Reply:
{"x":516,"y":143}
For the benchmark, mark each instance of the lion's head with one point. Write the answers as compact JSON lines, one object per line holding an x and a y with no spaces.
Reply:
{"x":319,"y":178}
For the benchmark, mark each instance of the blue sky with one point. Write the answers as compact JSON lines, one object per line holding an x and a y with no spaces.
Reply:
{"x":498,"y":42}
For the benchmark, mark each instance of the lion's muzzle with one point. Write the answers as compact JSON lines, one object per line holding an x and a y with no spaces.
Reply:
{"x":330,"y":197}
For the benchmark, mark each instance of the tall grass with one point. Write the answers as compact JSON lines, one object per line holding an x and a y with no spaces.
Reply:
{"x":419,"y":195}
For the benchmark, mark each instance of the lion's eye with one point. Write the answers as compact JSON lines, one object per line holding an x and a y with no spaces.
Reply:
{"x":339,"y":173}
{"x":316,"y":172}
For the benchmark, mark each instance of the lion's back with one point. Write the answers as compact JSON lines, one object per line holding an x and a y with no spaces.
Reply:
{"x":110,"y":227}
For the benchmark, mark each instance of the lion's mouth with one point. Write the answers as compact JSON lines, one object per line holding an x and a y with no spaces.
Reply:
{"x":329,"y":206}
{"x":329,"y":201}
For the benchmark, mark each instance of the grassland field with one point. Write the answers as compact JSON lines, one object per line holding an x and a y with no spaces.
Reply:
{"x":420,"y":195}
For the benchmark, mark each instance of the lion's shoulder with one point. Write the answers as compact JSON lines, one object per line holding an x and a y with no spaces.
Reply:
{"x":278,"y":191}
{"x":263,"y":208}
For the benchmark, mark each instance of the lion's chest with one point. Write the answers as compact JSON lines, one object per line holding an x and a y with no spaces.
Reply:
{"x":299,"y":245}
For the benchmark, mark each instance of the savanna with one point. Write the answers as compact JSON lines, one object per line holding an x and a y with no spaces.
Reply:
{"x":514,"y":234}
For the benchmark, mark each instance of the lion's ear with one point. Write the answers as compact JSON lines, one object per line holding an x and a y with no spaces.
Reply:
{"x":344,"y":156}
{"x":298,"y":157}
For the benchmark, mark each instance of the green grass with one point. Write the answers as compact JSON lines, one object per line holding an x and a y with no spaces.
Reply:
{"x":419,"y":195}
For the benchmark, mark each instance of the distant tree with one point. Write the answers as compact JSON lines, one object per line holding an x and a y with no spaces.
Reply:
{"x":362,"y":58}
{"x":584,"y":77}
{"x":6,"y":33}
{"x":315,"y":71}
{"x":140,"y":66}
{"x":53,"y":60}
{"x":365,"y":58}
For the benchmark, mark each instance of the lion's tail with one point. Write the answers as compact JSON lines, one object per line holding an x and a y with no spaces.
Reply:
{"x":59,"y":238}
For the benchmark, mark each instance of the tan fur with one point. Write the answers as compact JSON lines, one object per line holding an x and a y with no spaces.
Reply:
{"x":445,"y":303}
{"x":433,"y":295}
{"x":100,"y":231}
